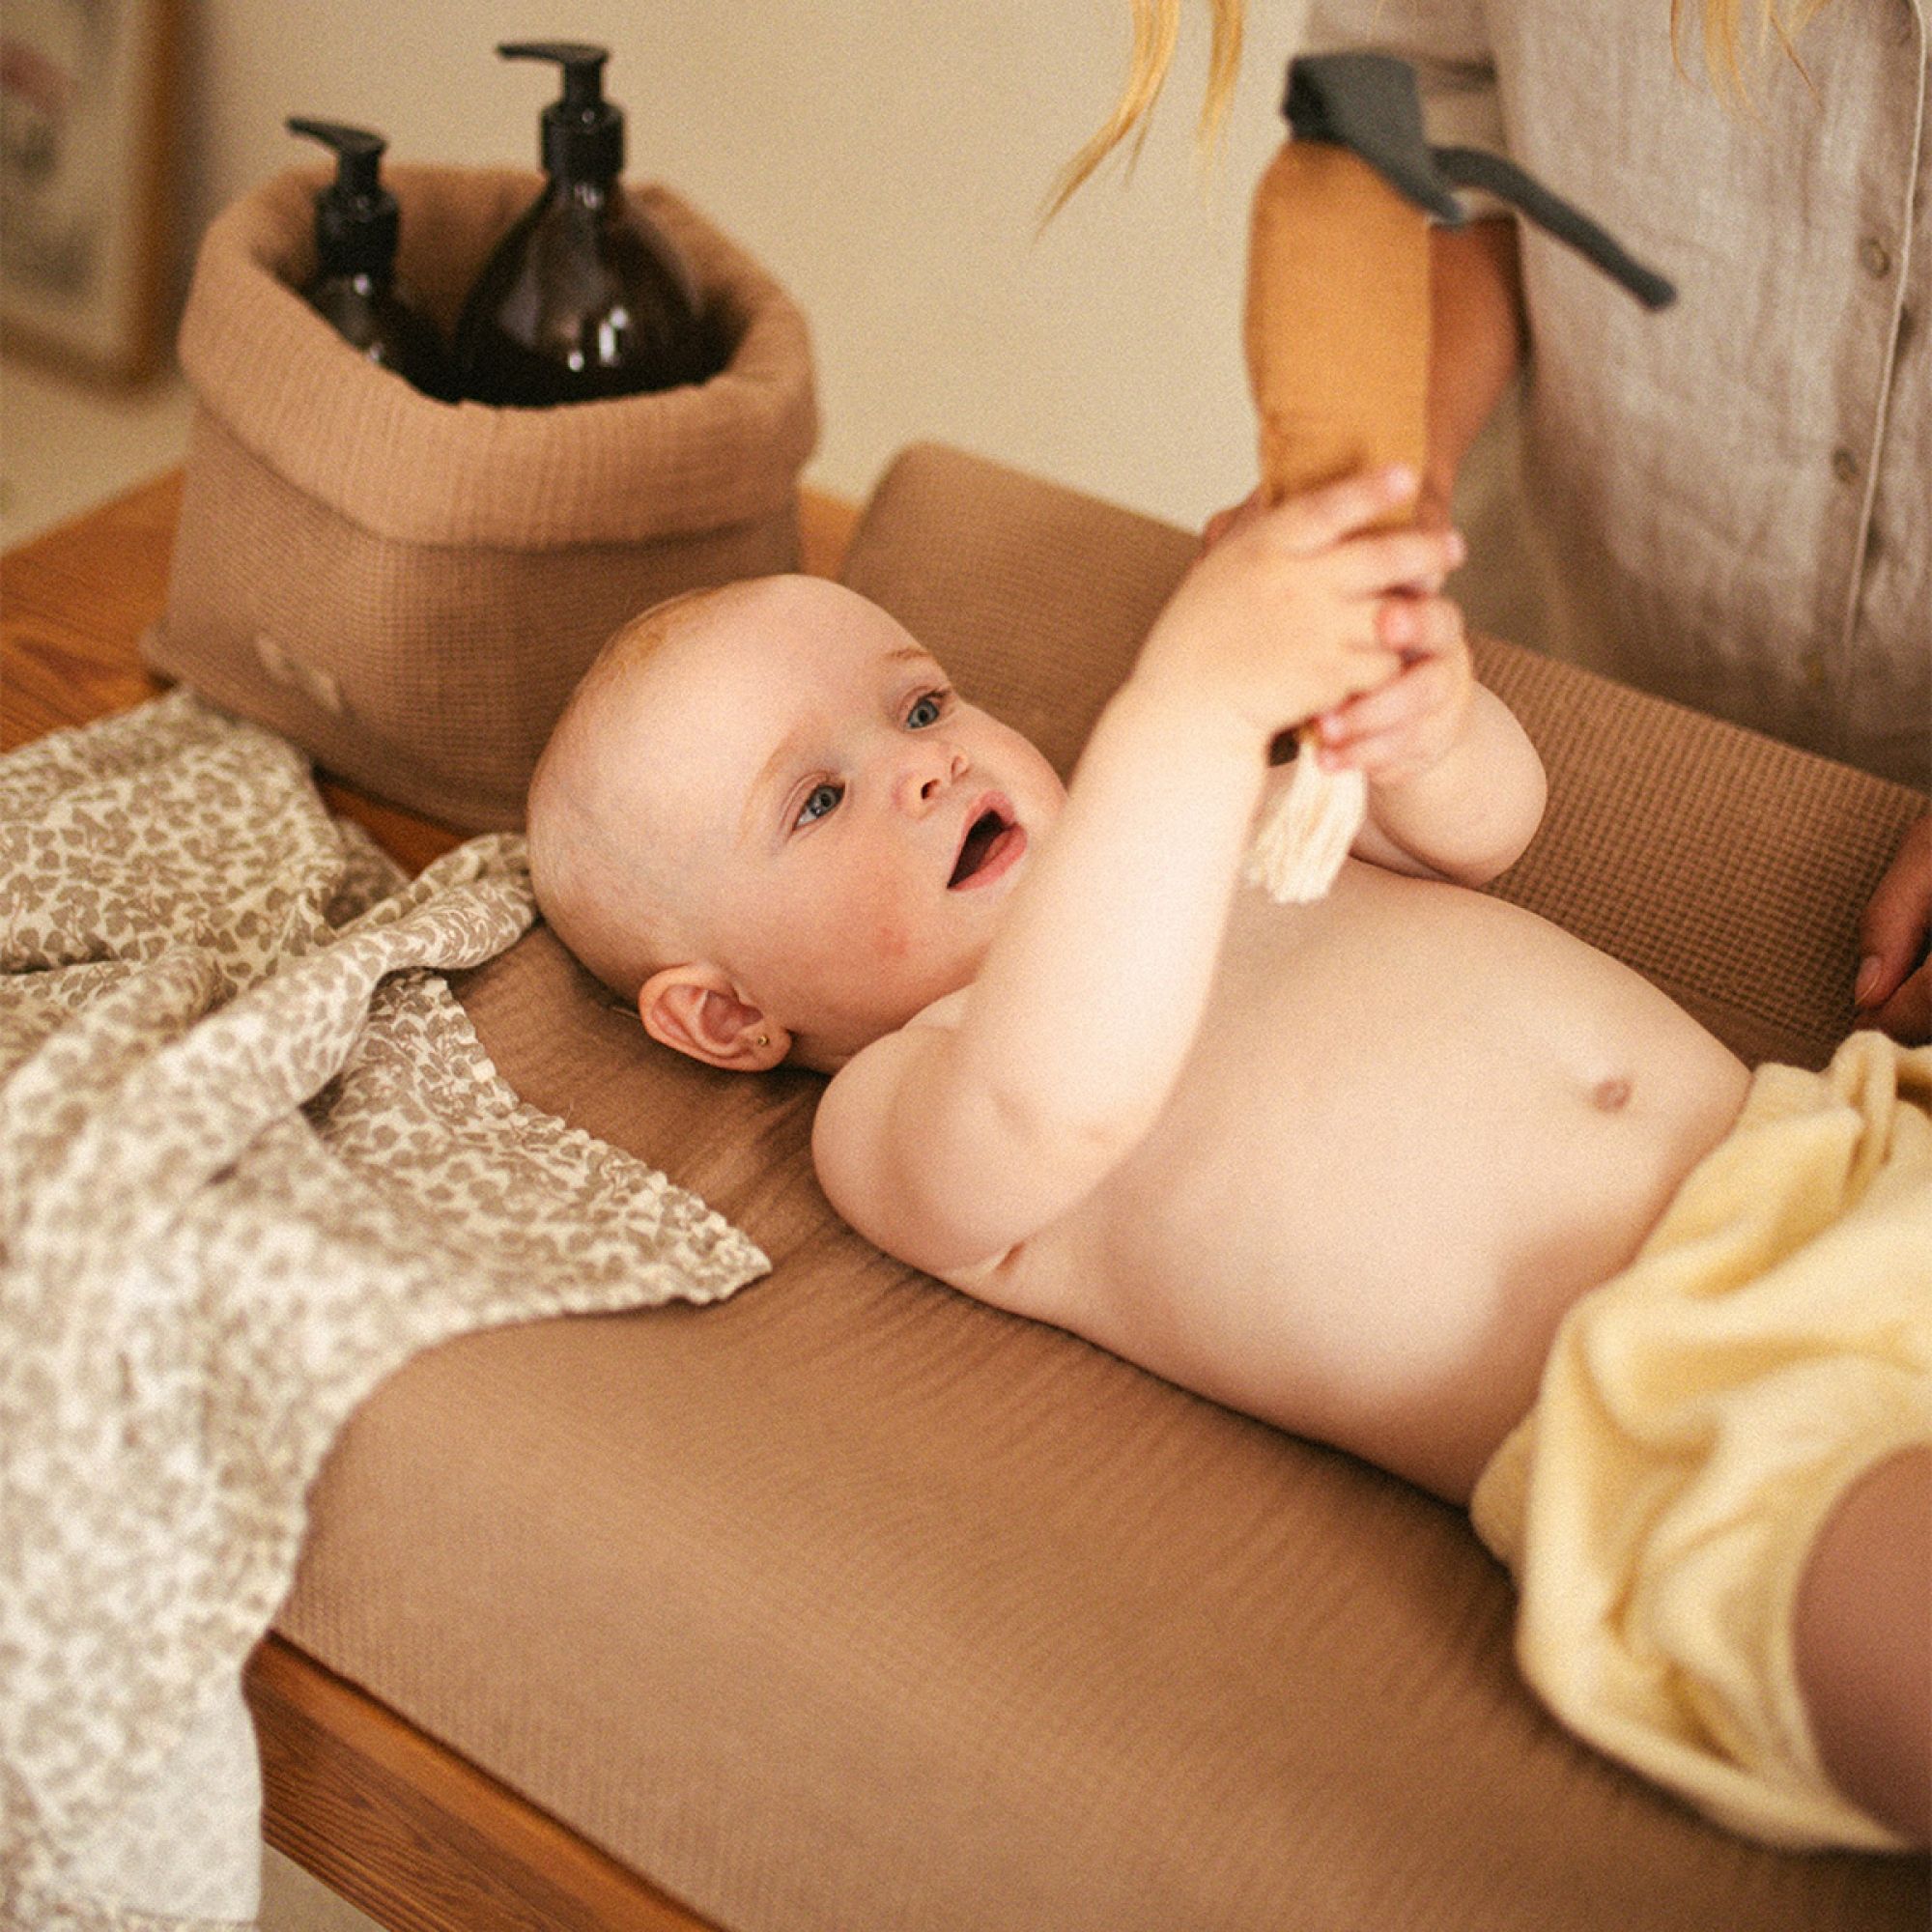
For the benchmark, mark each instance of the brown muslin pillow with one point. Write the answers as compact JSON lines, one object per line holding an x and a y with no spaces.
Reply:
{"x":410,"y":590}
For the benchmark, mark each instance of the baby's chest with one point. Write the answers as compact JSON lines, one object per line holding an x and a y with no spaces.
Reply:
{"x":1319,"y":1165}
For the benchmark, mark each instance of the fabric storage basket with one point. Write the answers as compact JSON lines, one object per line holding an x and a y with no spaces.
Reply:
{"x":409,"y":589}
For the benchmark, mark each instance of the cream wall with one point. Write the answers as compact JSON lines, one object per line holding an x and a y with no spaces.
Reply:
{"x":887,"y":160}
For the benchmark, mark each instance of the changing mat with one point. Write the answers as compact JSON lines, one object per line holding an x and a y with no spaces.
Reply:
{"x":252,"y":1157}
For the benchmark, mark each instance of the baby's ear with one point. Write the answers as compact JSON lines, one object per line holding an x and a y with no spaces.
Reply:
{"x":695,"y":1009}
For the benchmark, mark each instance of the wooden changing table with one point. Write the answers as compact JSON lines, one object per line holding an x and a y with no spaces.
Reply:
{"x":926,"y":1619}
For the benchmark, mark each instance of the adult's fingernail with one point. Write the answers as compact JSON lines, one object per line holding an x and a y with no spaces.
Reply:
{"x":1400,"y":478}
{"x":1867,"y":984}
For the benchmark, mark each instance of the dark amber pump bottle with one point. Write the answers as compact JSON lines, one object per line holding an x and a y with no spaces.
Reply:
{"x":354,"y":287}
{"x":584,"y":297}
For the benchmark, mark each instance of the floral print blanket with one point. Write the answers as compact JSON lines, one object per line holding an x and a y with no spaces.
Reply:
{"x":252,"y":1157}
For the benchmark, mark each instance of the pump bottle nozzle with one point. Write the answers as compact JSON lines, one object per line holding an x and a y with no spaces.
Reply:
{"x":582,"y":66}
{"x":358,"y":150}
{"x":355,"y":219}
{"x":583,"y":134}
{"x":356,"y":227}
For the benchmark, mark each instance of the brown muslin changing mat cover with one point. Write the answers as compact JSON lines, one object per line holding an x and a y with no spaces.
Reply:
{"x":410,"y":590}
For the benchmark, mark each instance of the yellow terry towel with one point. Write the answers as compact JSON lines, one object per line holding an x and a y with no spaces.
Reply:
{"x":1701,"y":1414}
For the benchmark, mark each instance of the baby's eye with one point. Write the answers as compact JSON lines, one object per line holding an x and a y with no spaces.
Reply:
{"x":818,"y":802}
{"x":927,"y":710}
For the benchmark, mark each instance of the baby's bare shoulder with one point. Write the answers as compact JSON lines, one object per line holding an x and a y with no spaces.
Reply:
{"x":871,"y":1079}
{"x":943,"y":1011}
{"x":858,"y":1130}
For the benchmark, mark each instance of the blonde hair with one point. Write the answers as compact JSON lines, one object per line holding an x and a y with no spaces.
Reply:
{"x":1157,"y":27}
{"x":1722,"y":56}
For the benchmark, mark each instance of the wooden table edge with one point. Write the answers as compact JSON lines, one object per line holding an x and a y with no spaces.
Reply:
{"x":413,"y":1833}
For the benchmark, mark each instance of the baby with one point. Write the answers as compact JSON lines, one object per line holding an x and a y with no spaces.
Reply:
{"x":1345,"y":1166}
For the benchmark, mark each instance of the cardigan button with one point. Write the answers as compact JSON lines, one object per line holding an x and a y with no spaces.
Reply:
{"x":1844,"y":465}
{"x":1875,"y":257}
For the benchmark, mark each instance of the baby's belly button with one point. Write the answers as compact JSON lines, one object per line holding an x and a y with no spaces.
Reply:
{"x":1611,"y":1094}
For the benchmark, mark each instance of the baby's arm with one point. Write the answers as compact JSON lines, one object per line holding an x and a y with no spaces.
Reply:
{"x":954,"y":1139}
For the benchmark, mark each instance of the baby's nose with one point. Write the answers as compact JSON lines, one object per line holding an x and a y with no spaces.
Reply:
{"x":926,"y":774}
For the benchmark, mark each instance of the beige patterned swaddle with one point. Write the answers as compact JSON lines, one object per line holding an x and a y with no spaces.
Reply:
{"x":251,"y":1159}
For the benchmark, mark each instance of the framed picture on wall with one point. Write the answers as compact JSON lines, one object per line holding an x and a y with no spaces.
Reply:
{"x":86,"y":113}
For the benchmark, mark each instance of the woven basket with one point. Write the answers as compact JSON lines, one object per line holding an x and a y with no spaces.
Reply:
{"x":409,"y":589}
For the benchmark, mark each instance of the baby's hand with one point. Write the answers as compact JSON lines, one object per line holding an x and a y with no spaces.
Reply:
{"x":1409,"y":723}
{"x":1280,"y":618}
{"x":1430,"y":512}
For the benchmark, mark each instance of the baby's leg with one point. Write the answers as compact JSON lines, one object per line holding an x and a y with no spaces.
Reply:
{"x":1863,"y":1639}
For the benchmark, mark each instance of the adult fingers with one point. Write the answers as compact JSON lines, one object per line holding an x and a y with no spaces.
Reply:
{"x":1386,"y":758}
{"x":1369,"y":668}
{"x":1908,"y":1014}
{"x":1407,"y":745}
{"x":1894,"y":930}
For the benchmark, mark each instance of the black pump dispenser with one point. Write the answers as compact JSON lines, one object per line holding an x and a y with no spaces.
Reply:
{"x":584,"y":297}
{"x":353,"y":287}
{"x":583,"y":136}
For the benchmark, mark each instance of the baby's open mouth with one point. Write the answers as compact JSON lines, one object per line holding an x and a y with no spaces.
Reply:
{"x":993,"y":841}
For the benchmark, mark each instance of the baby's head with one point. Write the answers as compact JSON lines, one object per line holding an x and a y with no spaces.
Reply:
{"x":766,"y":818}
